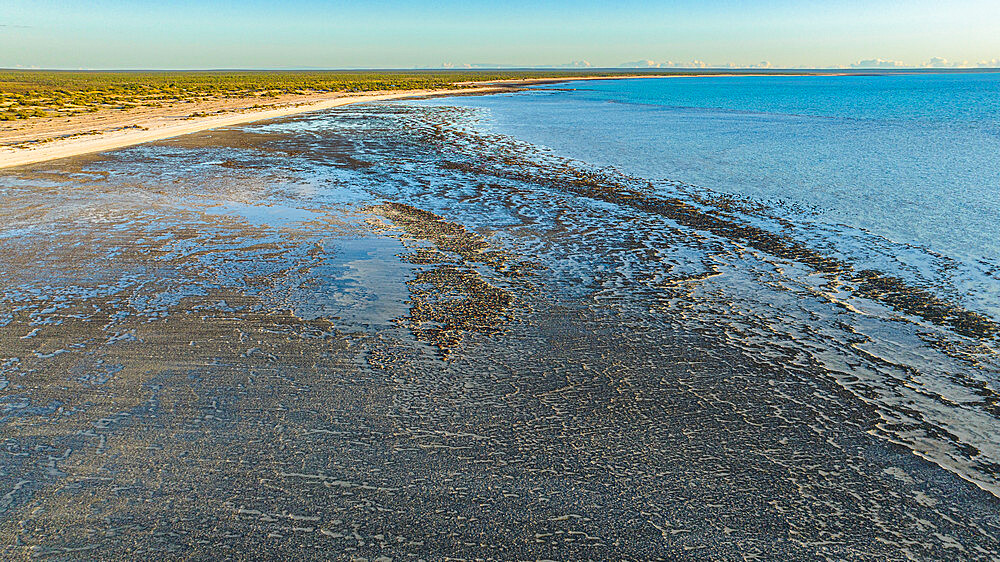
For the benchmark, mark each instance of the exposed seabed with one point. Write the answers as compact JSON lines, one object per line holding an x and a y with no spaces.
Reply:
{"x":374,"y":334}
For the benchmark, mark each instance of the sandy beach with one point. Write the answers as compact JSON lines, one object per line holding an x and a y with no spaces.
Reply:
{"x":40,"y":140}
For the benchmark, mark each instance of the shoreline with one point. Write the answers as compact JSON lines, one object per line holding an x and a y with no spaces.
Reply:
{"x":321,"y":329}
{"x":120,"y":131}
{"x":129,"y":131}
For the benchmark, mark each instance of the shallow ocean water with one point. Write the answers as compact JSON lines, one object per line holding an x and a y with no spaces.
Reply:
{"x":905,"y":160}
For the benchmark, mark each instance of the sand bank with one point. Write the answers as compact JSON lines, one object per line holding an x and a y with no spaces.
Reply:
{"x":42,"y":141}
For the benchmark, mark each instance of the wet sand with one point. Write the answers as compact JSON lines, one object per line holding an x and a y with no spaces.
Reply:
{"x":367,"y":333}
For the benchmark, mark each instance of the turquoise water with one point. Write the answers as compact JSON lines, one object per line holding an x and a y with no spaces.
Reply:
{"x":907,"y":163}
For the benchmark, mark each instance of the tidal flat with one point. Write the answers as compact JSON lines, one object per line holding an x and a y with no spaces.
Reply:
{"x":378,"y":332}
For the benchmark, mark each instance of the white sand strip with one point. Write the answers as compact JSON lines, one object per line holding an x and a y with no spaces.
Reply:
{"x":160,"y":128}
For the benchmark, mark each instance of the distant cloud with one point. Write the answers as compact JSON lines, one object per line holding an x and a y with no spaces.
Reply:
{"x":450,"y":66}
{"x":995,"y":63}
{"x":878,"y":63}
{"x":933,"y":62}
{"x":938,"y":62}
{"x":691,"y":64}
{"x":490,"y":65}
{"x":640,"y":64}
{"x":666,"y":64}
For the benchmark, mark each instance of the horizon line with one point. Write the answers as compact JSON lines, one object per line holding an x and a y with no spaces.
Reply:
{"x":663,"y":71}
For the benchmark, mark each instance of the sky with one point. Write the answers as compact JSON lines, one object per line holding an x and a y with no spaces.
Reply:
{"x":188,"y":34}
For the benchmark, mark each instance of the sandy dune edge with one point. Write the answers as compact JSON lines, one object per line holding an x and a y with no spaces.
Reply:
{"x":131,"y":131}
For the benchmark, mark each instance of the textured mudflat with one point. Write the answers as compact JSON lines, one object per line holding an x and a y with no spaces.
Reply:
{"x":372,"y":334}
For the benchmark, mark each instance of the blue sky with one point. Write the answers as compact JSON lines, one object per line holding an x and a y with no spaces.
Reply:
{"x":405,"y":34}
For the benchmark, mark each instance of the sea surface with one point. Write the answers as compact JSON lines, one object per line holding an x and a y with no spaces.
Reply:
{"x":687,"y":318}
{"x":906,"y":160}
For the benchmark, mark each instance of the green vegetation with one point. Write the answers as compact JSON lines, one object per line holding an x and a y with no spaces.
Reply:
{"x":32,"y":93}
